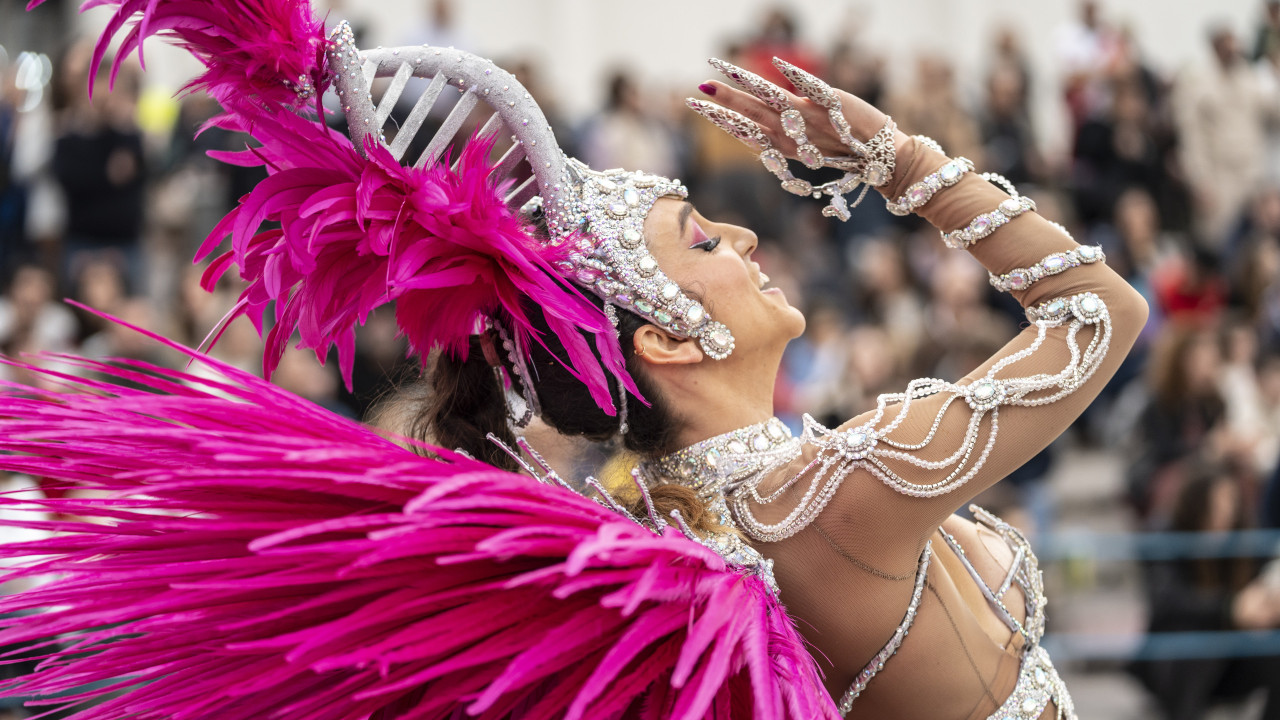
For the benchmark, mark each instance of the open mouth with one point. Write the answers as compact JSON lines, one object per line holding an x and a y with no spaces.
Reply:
{"x":764,"y":280}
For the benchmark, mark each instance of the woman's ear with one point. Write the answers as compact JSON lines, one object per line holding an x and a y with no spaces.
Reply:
{"x":659,"y":347}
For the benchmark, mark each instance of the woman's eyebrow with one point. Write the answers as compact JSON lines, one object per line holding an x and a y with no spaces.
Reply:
{"x":685,"y":211}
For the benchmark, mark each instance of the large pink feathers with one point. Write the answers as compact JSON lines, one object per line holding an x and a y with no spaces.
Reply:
{"x":269,"y":51}
{"x":356,"y":233}
{"x":259,"y":557}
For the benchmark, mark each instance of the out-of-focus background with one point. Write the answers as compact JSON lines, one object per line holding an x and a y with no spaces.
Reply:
{"x":1149,"y":127}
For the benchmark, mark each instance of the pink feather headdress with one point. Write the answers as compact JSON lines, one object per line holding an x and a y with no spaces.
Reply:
{"x":356,"y":228}
{"x":269,"y":51}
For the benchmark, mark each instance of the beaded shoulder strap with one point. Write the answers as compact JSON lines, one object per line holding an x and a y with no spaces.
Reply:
{"x":870,"y":445}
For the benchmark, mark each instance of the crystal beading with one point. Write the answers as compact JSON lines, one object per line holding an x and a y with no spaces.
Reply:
{"x":872,"y":163}
{"x":987,"y":223}
{"x":721,"y":464}
{"x":921,"y":192}
{"x":870,"y":445}
{"x":599,"y":214}
{"x":1038,"y":684}
{"x":891,"y":648}
{"x":602,"y":214}
{"x":1023,"y":278}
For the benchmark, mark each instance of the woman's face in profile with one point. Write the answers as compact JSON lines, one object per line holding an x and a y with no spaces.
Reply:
{"x":713,"y":262}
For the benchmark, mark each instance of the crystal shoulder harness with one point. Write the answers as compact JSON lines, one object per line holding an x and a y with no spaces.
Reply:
{"x":735,"y":463}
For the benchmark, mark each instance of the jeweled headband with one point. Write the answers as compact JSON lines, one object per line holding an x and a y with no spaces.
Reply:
{"x":601,"y":212}
{"x":604,"y":214}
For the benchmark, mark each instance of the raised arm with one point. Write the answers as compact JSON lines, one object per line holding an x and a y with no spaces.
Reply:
{"x":923,"y":453}
{"x":945,"y":440}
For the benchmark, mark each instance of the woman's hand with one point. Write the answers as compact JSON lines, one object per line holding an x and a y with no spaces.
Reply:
{"x":766,"y":105}
{"x":1256,"y":607}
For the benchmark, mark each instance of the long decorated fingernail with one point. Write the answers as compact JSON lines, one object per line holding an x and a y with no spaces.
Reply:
{"x":771,"y":94}
{"x":734,"y":123}
{"x":707,"y":88}
{"x":808,"y":85}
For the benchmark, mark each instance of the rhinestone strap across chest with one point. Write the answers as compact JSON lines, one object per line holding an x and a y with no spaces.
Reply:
{"x":877,"y":663}
{"x":1038,"y":681}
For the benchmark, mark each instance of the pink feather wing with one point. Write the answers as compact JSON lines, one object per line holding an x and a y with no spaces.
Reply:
{"x":264,"y":558}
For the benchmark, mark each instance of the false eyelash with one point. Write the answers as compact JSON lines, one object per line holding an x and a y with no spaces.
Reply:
{"x":708,"y":245}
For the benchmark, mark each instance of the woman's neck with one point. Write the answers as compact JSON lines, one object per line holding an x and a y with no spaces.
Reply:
{"x":713,"y":400}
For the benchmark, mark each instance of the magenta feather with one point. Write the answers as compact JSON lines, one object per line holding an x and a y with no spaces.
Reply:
{"x":356,"y":233}
{"x":253,"y":50}
{"x":259,"y":557}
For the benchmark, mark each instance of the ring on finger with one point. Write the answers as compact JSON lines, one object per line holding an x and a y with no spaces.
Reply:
{"x":777,"y":100}
{"x":750,"y":133}
{"x":793,"y":126}
{"x":820,"y":92}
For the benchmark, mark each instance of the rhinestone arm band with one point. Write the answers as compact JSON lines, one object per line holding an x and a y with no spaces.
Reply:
{"x":869,"y":445}
{"x":1023,"y":278}
{"x":920,"y":193}
{"x":987,"y":223}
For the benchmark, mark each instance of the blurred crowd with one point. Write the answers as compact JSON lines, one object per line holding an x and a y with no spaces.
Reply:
{"x":1177,"y":177}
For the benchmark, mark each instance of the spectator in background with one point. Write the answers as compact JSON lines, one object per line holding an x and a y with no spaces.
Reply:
{"x":1268,"y":70}
{"x":1011,"y":58}
{"x":626,"y":135}
{"x":779,"y":36}
{"x":1221,"y":112}
{"x":1248,"y":384}
{"x":1210,"y":594}
{"x":818,"y":367}
{"x":932,"y":107}
{"x":857,"y":70}
{"x":1266,"y":41}
{"x":100,"y":285}
{"x":1254,"y":262}
{"x":1008,"y":143}
{"x":1116,"y":150}
{"x":1184,"y":415}
{"x":98,"y":161}
{"x":31,"y":317}
{"x":1191,"y":286}
{"x":13,"y":196}
{"x":1085,"y":49}
{"x":888,"y":298}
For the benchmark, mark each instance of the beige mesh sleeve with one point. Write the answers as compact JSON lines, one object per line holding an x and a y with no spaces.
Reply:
{"x":894,"y":473}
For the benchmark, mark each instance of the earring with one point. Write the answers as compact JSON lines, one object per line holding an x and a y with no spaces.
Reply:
{"x":623,"y":428}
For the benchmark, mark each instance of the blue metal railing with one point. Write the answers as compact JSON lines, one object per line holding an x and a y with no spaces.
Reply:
{"x":1153,"y":547}
{"x":1116,"y":546}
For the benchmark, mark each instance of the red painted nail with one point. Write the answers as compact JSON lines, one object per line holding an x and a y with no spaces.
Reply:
{"x":707,"y":88}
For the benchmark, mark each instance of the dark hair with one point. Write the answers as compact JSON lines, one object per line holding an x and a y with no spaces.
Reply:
{"x":1192,"y":508}
{"x":467,"y":403}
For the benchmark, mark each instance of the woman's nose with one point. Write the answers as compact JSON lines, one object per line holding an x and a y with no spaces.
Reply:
{"x":745,"y":241}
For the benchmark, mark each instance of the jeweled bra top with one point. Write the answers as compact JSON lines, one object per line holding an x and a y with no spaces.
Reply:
{"x":722,"y":467}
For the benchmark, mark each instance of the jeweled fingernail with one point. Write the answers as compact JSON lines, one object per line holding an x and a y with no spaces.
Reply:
{"x":734,"y":123}
{"x":771,"y":94}
{"x":808,"y":85}
{"x":729,"y":70}
{"x":707,"y":88}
